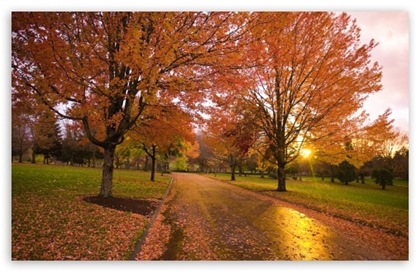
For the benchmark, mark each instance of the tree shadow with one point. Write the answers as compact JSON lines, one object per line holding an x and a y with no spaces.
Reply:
{"x":144,"y":207}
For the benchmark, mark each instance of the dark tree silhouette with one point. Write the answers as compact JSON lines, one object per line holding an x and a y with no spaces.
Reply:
{"x":346,"y":172}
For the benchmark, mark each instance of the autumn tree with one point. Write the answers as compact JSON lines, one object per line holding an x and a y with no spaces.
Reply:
{"x":47,"y":136}
{"x":21,"y":133}
{"x":394,"y":153}
{"x":162,"y":133}
{"x":311,"y":72}
{"x":191,"y":153}
{"x":231,"y":133}
{"x":358,"y":142}
{"x":104,"y":68}
{"x":25,"y":112}
{"x":203,"y":154}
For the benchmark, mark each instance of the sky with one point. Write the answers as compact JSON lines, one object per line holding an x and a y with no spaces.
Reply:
{"x":391,"y":30}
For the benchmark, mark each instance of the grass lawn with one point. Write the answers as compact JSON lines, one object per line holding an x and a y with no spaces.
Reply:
{"x":50,"y":221}
{"x":366,"y":203}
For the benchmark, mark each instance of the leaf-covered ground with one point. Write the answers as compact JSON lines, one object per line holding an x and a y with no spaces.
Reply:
{"x":56,"y":215}
{"x":71,"y":230}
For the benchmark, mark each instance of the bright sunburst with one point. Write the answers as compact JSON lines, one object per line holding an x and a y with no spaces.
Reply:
{"x":306,"y":152}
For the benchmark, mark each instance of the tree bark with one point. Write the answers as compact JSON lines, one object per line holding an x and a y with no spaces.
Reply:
{"x":33,"y":157}
{"x":281,"y":178}
{"x":232,"y":172}
{"x":153,"y":156}
{"x":332,"y":173}
{"x":107,"y":171}
{"x":232,"y":164}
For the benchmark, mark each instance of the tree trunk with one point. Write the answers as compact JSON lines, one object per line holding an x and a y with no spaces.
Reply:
{"x":232,"y":172}
{"x":152,"y":175}
{"x":281,"y":178}
{"x":107,"y":171}
{"x":33,"y":157}
{"x":232,"y":164}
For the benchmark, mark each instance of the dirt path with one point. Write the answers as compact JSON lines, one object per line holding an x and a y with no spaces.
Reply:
{"x":205,"y":219}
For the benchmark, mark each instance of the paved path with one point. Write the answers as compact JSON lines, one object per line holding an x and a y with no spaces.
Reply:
{"x":213,"y":220}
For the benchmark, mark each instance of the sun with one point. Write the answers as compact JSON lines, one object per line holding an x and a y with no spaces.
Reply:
{"x":306,"y":152}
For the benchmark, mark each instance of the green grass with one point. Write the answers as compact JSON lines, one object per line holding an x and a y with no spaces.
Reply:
{"x":51,"y":222}
{"x":366,"y":203}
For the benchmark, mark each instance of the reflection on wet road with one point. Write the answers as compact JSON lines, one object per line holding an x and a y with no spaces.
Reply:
{"x":214,"y":220}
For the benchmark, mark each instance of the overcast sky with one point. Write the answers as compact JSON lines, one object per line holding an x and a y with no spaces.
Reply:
{"x":391,"y":30}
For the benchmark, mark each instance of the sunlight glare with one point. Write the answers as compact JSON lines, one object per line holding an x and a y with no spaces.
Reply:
{"x":306,"y":152}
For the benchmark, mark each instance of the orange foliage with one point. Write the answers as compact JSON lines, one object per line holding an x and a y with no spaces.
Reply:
{"x":104,"y":68}
{"x":302,"y":76}
{"x":310,"y":75}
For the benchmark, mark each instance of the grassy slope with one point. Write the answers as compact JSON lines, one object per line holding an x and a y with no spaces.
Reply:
{"x":366,"y":203}
{"x":50,"y":222}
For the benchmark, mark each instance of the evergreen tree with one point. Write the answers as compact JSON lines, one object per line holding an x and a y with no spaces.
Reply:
{"x":382,"y":176}
{"x":346,"y":172}
{"x":47,"y":140}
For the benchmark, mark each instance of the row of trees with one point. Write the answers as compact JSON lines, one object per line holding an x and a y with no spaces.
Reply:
{"x":213,"y":157}
{"x":42,"y":133}
{"x":43,"y":136}
{"x":272,"y":82}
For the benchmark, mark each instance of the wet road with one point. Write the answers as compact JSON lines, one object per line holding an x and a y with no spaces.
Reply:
{"x":213,"y":220}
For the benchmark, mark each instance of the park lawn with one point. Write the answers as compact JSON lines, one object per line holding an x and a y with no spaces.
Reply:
{"x":366,"y":204}
{"x":50,"y":221}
